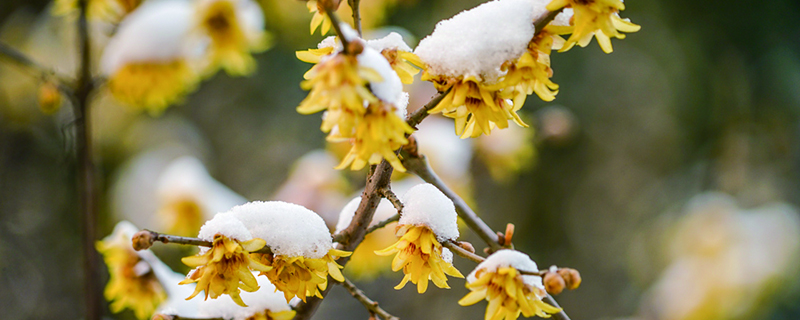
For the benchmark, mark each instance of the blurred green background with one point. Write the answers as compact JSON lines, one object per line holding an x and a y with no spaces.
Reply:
{"x":706,"y":97}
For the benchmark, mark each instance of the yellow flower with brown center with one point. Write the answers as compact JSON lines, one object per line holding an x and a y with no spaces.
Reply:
{"x":235,"y":28}
{"x":509,"y":293}
{"x":225,"y":268}
{"x":476,"y":107}
{"x":598,"y":18}
{"x":402,"y":63}
{"x":378,"y":134}
{"x":300,"y":276}
{"x":339,"y":85}
{"x":419,"y":255}
{"x":132,"y":283}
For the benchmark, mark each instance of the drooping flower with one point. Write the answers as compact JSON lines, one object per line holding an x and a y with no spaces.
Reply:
{"x":428,"y":218}
{"x":531,"y":72}
{"x":132,"y":282}
{"x":598,"y":18}
{"x":149,"y":61}
{"x":364,"y":101}
{"x":319,"y":17}
{"x":303,"y":255}
{"x":498,"y":280}
{"x":489,"y":38}
{"x":236,"y":28}
{"x":225,"y":267}
{"x":399,"y":55}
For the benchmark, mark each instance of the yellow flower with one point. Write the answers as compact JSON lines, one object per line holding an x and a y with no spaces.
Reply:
{"x":319,"y":18}
{"x":300,"y":276}
{"x":507,"y":293}
{"x":402,"y":63}
{"x":182,"y":217}
{"x":531,"y":72}
{"x":419,"y":254}
{"x":476,"y":107}
{"x":132,"y":283}
{"x":269,"y":315}
{"x":313,"y":55}
{"x":223,"y":269}
{"x":378,"y":134}
{"x":598,"y":18}
{"x":153,"y":85}
{"x":236,"y":29}
{"x":339,"y":85}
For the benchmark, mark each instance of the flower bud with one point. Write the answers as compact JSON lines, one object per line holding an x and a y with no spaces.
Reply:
{"x":49,"y":97}
{"x":142,"y":240}
{"x":572,"y":278}
{"x":466,"y":246}
{"x":355,"y":47}
{"x":553,"y":283}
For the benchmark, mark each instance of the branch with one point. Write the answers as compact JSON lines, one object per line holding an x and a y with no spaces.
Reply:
{"x":356,"y":14}
{"x":389,"y":195}
{"x":539,"y":24}
{"x":420,"y":114}
{"x":145,"y":239}
{"x":371,"y":305}
{"x":21,"y":59}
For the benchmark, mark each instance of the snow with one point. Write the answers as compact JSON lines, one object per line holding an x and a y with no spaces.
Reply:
{"x":155,"y":32}
{"x":402,"y":104}
{"x":186,"y":178}
{"x":348,"y":32}
{"x":447,"y":255}
{"x":390,"y":89}
{"x":289,"y":229}
{"x":425,"y":205}
{"x":384,"y":211}
{"x":226,"y":224}
{"x":391,"y":41}
{"x":266,"y":298}
{"x":477,"y":42}
{"x":509,"y":258}
{"x":449,"y":155}
{"x":562,"y":19}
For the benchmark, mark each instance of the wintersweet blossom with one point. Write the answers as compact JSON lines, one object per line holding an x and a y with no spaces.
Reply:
{"x":428,"y":218}
{"x":598,"y":18}
{"x":363,"y":98}
{"x":319,"y":17}
{"x":399,"y":55}
{"x":132,"y":282}
{"x":302,"y":252}
{"x":265,"y":304}
{"x":236,"y":28}
{"x":498,"y":280}
{"x":149,"y":61}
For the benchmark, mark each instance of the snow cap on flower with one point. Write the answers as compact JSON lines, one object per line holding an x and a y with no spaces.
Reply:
{"x":478,"y":41}
{"x":390,"y":88}
{"x":289,"y":229}
{"x":384,"y":211}
{"x":425,"y":205}
{"x":510,"y":258}
{"x":226,"y":224}
{"x":267,"y":298}
{"x":155,"y":32}
{"x":391,"y":41}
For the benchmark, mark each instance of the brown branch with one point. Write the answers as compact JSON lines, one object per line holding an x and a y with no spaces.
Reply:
{"x":354,"y":6}
{"x":372,"y":306}
{"x":335,"y":22}
{"x":539,"y":24}
{"x":463,"y":252}
{"x":383,"y":223}
{"x":145,"y":239}
{"x":21,"y":59}
{"x":420,"y":114}
{"x":389,"y":195}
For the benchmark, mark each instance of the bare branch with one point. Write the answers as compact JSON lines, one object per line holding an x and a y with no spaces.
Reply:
{"x":144,"y":239}
{"x":17,"y":57}
{"x":354,"y":5}
{"x":383,"y":223}
{"x":372,"y":306}
{"x":463,"y":252}
{"x":389,"y":195}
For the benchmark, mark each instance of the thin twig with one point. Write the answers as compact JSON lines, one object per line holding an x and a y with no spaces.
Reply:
{"x":383,"y":223}
{"x":420,"y":114}
{"x":371,"y":305}
{"x":389,"y":195}
{"x":23,"y":60}
{"x":145,"y":239}
{"x":337,"y":27}
{"x":463,"y":252}
{"x":354,"y":5}
{"x":542,"y":22}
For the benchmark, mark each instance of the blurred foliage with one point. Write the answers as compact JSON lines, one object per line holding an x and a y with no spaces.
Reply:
{"x":705,"y":97}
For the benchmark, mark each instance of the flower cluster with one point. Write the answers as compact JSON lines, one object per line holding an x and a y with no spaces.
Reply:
{"x":362,"y":95}
{"x":598,"y":18}
{"x":163,"y":49}
{"x":498,"y":280}
{"x":300,"y":276}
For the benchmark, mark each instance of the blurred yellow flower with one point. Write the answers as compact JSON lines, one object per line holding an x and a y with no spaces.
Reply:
{"x":300,"y":276}
{"x":508,"y":295}
{"x":598,"y":18}
{"x":225,"y":268}
{"x":419,"y":254}
{"x":236,"y":28}
{"x":107,"y":10}
{"x":132,"y":283}
{"x":319,"y":18}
